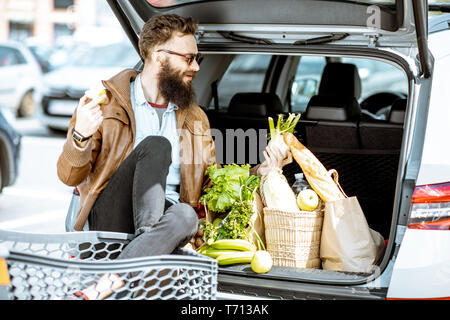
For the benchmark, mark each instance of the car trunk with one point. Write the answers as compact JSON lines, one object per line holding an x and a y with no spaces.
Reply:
{"x":370,"y":173}
{"x":375,"y":175}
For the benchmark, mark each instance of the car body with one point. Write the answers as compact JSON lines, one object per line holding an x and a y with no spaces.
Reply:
{"x":42,"y":54}
{"x":405,"y":188}
{"x":21,"y":78}
{"x":10,"y":144}
{"x":64,"y":86}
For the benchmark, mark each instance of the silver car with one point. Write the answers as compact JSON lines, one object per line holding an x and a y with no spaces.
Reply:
{"x":20,"y":78}
{"x":387,"y":139}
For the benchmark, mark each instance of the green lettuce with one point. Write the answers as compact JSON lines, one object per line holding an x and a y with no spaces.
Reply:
{"x":226,"y":185}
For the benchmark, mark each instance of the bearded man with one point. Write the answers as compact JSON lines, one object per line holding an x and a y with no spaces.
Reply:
{"x":139,"y":152}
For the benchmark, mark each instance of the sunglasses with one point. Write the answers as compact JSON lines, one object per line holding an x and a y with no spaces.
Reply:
{"x":188,"y":57}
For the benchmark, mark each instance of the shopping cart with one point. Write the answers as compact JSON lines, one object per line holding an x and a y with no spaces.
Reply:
{"x":56,"y":266}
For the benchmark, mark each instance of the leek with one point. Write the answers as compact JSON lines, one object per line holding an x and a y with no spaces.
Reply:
{"x":277,"y":192}
{"x":283,"y":126}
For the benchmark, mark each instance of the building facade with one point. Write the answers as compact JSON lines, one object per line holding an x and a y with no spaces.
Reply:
{"x":48,"y":20}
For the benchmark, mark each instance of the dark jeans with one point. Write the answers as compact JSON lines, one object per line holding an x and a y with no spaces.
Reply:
{"x":134,"y":202}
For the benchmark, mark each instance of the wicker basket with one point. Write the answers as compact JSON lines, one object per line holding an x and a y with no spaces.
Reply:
{"x":293,"y":238}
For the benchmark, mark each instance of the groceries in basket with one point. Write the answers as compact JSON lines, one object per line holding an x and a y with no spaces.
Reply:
{"x":292,"y":219}
{"x":275,"y":188}
{"x":312,"y":224}
{"x":293,"y":233}
{"x":347,"y":243}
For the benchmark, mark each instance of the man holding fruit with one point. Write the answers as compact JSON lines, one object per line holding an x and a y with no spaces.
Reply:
{"x":133,"y":150}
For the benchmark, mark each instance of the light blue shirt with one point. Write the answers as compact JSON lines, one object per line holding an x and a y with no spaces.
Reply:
{"x":147,"y":124}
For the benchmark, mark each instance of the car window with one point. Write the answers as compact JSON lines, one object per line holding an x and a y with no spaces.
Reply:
{"x":246,"y":73}
{"x":306,"y":81}
{"x":10,"y":57}
{"x":377,"y":76}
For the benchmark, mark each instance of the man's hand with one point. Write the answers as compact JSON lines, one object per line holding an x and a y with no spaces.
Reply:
{"x":274,"y":159}
{"x":89,"y":115}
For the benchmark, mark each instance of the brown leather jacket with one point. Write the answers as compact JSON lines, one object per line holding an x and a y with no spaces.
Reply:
{"x":90,"y":167}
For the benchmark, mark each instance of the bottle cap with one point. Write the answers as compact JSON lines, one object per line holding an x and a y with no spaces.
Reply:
{"x":299,"y":176}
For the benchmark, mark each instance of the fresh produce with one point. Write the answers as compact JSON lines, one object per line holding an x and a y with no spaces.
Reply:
{"x":307,"y":200}
{"x":197,"y":240}
{"x":226,"y":186}
{"x":235,"y":225}
{"x":277,"y":192}
{"x":216,"y":222}
{"x":235,"y":257}
{"x":233,"y":244}
{"x":230,"y":207}
{"x":261,"y":261}
{"x":203,"y":248}
{"x":200,"y":210}
{"x":283,"y":126}
{"x":318,"y":177}
{"x":214,"y":253}
{"x":234,"y":251}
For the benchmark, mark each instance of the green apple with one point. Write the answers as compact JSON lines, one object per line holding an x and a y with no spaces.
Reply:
{"x":307,"y":200}
{"x":261,"y":261}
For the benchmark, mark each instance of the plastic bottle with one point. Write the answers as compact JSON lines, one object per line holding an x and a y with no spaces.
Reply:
{"x":300,"y":183}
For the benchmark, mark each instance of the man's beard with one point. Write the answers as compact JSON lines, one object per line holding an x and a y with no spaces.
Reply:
{"x":173,"y":88}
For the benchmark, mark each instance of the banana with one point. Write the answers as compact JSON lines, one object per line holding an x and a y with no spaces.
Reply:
{"x":203,"y":248}
{"x":233,"y":244}
{"x":214,"y":253}
{"x":235,"y":257}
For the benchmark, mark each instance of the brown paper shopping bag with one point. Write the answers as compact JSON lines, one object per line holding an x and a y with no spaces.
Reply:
{"x":347,"y":242}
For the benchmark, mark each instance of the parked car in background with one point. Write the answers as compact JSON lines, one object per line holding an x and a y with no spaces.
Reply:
{"x":9,"y":148}
{"x":42,"y":55}
{"x":20,"y":78}
{"x":63,"y":87}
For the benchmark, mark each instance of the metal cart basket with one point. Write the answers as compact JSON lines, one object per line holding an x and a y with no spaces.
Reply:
{"x":56,"y":266}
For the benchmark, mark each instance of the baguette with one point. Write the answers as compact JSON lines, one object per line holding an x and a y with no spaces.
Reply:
{"x":318,"y":177}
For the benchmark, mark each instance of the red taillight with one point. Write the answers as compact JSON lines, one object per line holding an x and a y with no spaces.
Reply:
{"x":432,"y":193}
{"x":433,"y":225}
{"x":430,"y":207}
